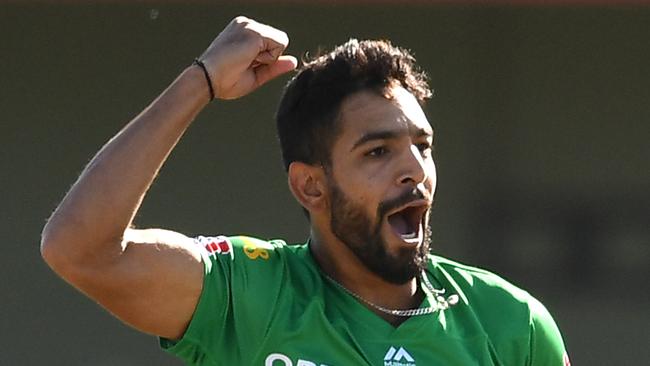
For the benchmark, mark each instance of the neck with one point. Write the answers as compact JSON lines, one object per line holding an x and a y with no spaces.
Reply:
{"x":338,"y":262}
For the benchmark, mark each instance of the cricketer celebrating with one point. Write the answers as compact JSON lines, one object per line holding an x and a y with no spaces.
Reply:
{"x":362,"y":290}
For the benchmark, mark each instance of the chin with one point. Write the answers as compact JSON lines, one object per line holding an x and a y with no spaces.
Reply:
{"x":403,"y":264}
{"x":407,"y":259}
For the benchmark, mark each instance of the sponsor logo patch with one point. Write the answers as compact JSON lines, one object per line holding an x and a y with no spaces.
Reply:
{"x":398,"y":357}
{"x":216,"y":245}
{"x":253,"y":250}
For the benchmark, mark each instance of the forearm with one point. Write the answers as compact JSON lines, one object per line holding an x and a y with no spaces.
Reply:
{"x":103,"y":201}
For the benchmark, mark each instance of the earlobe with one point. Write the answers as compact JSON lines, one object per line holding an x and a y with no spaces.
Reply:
{"x":306,"y":185}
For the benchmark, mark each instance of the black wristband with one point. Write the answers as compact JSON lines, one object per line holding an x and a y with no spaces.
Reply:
{"x":200,"y":64}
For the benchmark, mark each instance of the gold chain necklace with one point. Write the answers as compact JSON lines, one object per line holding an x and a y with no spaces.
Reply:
{"x":441,"y":303}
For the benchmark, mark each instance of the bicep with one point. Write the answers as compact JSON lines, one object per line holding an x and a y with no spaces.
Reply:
{"x":154,"y":284}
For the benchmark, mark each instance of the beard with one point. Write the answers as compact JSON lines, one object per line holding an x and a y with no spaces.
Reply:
{"x":357,"y":231}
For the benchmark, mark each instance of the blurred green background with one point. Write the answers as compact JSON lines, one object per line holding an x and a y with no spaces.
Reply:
{"x":541,"y":116}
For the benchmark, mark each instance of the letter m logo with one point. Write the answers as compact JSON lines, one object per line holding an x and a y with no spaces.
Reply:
{"x":397,"y":355}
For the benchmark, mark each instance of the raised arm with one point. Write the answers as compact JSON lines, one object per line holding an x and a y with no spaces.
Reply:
{"x":151,"y":279}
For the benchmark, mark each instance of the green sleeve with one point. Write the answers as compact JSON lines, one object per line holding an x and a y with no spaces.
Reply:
{"x":242,"y":281}
{"x":193,"y":346}
{"x":546,"y":345}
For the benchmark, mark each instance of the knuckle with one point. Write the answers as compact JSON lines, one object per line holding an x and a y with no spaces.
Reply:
{"x":241,"y":20}
{"x":284,"y":38}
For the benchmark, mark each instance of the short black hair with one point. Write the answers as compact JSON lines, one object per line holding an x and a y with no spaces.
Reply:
{"x":309,"y":109}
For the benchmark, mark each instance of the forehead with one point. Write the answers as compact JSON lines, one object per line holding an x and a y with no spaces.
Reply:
{"x":368,"y":111}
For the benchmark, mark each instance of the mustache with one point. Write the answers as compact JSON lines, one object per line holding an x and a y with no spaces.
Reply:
{"x":404,"y":198}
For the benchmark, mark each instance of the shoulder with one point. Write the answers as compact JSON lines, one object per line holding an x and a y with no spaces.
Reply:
{"x":251,"y":261}
{"x":506,"y":312}
{"x":486,"y":292}
{"x":241,"y":248}
{"x":245,"y":282}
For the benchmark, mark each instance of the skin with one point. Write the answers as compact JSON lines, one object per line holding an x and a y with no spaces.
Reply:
{"x":151,"y":279}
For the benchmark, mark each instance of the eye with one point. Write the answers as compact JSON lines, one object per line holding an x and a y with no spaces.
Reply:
{"x":425,"y":148}
{"x":377,"y":152}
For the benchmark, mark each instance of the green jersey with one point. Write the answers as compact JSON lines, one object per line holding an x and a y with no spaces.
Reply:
{"x":267,"y":303}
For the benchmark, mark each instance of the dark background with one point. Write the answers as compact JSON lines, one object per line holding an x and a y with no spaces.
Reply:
{"x":541,"y":116}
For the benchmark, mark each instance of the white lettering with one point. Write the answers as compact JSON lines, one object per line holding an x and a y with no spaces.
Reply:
{"x":305,"y":363}
{"x":286,"y":361}
{"x":270,"y":359}
{"x":397,"y":363}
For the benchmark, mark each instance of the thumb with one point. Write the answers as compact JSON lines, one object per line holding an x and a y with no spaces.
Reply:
{"x":266,"y":72}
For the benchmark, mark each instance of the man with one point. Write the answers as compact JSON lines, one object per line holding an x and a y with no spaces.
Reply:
{"x":363,"y":290}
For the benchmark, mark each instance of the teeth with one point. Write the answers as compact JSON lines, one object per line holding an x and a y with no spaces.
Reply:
{"x":409,"y":235}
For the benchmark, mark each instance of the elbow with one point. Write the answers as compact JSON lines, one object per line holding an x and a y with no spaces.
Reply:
{"x":57,"y":247}
{"x":66,"y":249}
{"x":49,"y":245}
{"x":58,"y":252}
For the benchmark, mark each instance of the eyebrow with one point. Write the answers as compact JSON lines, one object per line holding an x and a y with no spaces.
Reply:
{"x":387,"y":135}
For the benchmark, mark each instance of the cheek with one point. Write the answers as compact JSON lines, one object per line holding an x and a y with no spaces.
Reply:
{"x":363,"y":183}
{"x":364,"y":197}
{"x":365,"y":186}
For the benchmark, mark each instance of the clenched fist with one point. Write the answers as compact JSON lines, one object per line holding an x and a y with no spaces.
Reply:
{"x":245,"y":55}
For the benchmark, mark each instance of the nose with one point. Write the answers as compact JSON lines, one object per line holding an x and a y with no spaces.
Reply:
{"x":413,"y":168}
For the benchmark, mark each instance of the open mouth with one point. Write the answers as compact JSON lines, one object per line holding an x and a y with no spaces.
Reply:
{"x":407,"y":222}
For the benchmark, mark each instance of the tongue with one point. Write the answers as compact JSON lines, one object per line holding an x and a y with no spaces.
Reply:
{"x":398,"y":222}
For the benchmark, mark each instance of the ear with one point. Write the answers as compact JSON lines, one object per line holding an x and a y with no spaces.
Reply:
{"x":307,"y":184}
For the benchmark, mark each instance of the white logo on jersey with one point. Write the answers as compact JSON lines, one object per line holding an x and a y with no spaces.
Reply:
{"x":398,"y":357}
{"x":283,"y":360}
